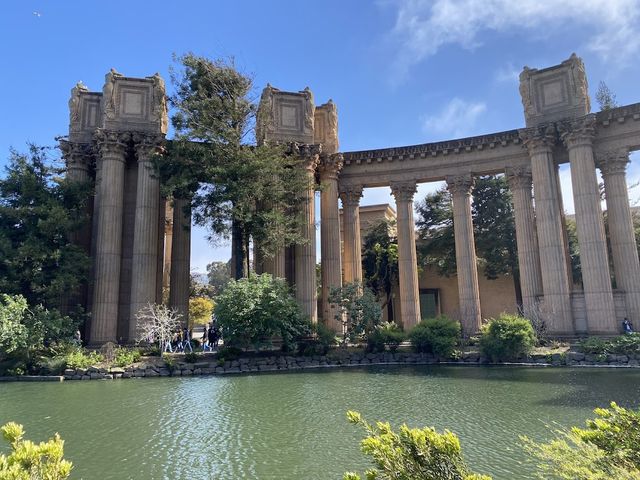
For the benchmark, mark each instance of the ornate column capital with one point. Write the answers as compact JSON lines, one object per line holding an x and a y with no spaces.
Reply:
{"x":330,"y":166}
{"x":148,"y":144}
{"x":538,"y":139}
{"x":519,"y":178}
{"x":76,"y":155}
{"x":612,"y":162}
{"x":403,"y":191}
{"x":460,"y":184}
{"x":351,"y":195}
{"x":110,"y":142}
{"x":309,"y":154}
{"x":580,"y":131}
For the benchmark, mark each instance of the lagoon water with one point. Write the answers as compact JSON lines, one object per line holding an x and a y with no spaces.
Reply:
{"x":293,"y":425}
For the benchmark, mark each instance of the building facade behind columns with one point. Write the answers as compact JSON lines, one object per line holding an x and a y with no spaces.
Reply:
{"x":113,"y":135}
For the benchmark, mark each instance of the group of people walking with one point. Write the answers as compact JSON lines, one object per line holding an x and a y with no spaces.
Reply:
{"x":180,"y":342}
{"x":210,"y":337}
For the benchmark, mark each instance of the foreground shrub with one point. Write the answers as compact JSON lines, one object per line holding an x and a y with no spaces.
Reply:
{"x":253,"y":310}
{"x":385,"y":334}
{"x":628,"y":344}
{"x":357,"y":310}
{"x":319,"y":344}
{"x":82,"y":358}
{"x":435,"y":335}
{"x":30,"y":461}
{"x":507,"y":337}
{"x":126,"y":356}
{"x":609,"y":448}
{"x":411,"y":453}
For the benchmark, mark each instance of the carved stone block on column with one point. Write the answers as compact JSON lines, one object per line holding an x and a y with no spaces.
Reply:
{"x":85,"y":114}
{"x":555,"y":93}
{"x":285,"y":116}
{"x":134,"y":104}
{"x":326,"y":127}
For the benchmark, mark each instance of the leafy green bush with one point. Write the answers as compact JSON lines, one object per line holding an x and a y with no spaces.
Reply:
{"x":227,"y":352}
{"x":609,"y":448}
{"x":126,"y":356}
{"x":628,"y":344}
{"x":319,"y":344}
{"x":385,"y":334}
{"x":411,"y":453}
{"x":507,"y":337}
{"x":253,"y":310}
{"x":81,"y":358}
{"x":32,"y":461}
{"x":594,"y":345}
{"x":191,"y":357}
{"x":435,"y":335}
{"x":357,"y":310}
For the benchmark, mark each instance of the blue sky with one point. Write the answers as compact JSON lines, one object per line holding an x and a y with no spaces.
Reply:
{"x":401,"y":72}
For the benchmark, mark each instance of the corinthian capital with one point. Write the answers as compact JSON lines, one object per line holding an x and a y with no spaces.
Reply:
{"x":308,"y":153}
{"x":351,"y":195}
{"x":403,"y":191}
{"x":330,"y":165}
{"x":460,"y":184}
{"x":540,"y":138}
{"x":580,"y":131}
{"x":148,"y":144}
{"x":612,"y":162}
{"x":75,"y":154}
{"x":519,"y":178}
{"x":110,"y":142}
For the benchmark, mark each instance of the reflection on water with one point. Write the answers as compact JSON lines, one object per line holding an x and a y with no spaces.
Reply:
{"x":290,"y":426}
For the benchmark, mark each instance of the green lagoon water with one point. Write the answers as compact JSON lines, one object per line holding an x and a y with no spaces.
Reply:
{"x":293,"y":426}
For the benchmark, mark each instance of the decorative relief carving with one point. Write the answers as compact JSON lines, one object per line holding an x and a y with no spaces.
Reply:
{"x":309,"y":108}
{"x":76,"y":155}
{"x":147,"y":144}
{"x":580,"y":131}
{"x":542,"y":137}
{"x":110,"y":142}
{"x":326,"y":126}
{"x":612,"y":162}
{"x":265,"y":124}
{"x":330,"y":165}
{"x":351,"y":195}
{"x":74,"y":103}
{"x":519,"y":178}
{"x":460,"y":184}
{"x":159,"y":102}
{"x":403,"y":191}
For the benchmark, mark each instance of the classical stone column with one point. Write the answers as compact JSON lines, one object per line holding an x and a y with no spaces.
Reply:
{"x":108,"y":248}
{"x":352,"y":244}
{"x":168,"y":242}
{"x":553,"y":262}
{"x":180,"y":258}
{"x":594,"y":261}
{"x":466,"y":262}
{"x":407,"y":257}
{"x":624,"y":252}
{"x":520,"y":184}
{"x":331,"y":263}
{"x":305,"y":254}
{"x":144,"y":266}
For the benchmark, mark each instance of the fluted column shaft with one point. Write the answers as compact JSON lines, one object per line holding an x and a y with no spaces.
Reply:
{"x":520,"y":184}
{"x":466,"y":261}
{"x":331,"y":264}
{"x":352,"y":244}
{"x":553,"y":261}
{"x":305,"y":254}
{"x":594,"y":261}
{"x":624,"y":252}
{"x":168,"y":242}
{"x":108,"y":247}
{"x":407,"y":257}
{"x":180,"y":258}
{"x":144,"y":266}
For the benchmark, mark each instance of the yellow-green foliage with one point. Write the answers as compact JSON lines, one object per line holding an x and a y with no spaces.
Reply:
{"x":200,"y":310}
{"x":609,"y":448}
{"x":32,"y":461}
{"x":411,"y":453}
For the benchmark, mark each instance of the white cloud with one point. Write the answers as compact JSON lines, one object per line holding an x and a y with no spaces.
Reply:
{"x":423,"y":26}
{"x":508,"y":74}
{"x":457,"y":119}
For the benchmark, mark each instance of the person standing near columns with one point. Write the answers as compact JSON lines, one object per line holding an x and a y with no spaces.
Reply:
{"x":350,"y":196}
{"x":467,"y":270}
{"x":624,"y":252}
{"x":330,"y":166}
{"x":594,"y":261}
{"x":407,"y":257}
{"x":520,"y":183}
{"x":144,"y":269}
{"x":108,"y":248}
{"x":540,"y":141}
{"x":305,"y":254}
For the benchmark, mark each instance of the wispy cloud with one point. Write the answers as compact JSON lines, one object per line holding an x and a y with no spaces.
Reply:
{"x":424,"y":26}
{"x":508,"y":73}
{"x":457,"y":119}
